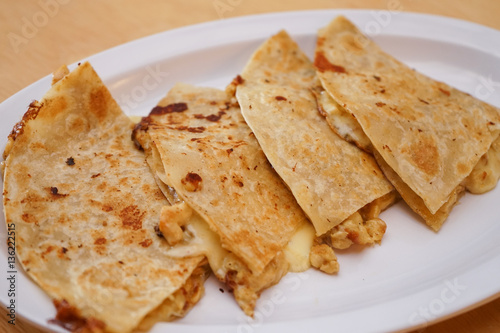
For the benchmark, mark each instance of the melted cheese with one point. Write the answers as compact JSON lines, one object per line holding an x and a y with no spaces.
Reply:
{"x":298,"y":248}
{"x":203,"y":241}
{"x":342,"y":122}
{"x":135,"y":119}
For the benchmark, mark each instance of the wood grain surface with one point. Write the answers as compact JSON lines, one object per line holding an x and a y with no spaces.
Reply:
{"x":37,"y":36}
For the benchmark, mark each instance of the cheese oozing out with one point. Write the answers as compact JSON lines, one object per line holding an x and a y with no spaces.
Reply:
{"x":201,"y":240}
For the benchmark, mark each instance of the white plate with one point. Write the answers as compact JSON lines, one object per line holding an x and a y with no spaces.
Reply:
{"x":416,"y":276}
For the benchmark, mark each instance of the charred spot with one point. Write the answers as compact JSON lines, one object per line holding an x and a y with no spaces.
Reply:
{"x":229,"y":151}
{"x":382,"y":91}
{"x":199,"y":129}
{"x":238,"y":80}
{"x":106,"y":208}
{"x":215,"y":117}
{"x":95,"y":176}
{"x":423,"y":101}
{"x":70,"y":161}
{"x":192,"y":182}
{"x":120,"y":262}
{"x":100,"y":241}
{"x":69,"y":318}
{"x":230,"y":280}
{"x":171,"y":108}
{"x":143,"y":125}
{"x":64,"y":250}
{"x":376,"y":78}
{"x":146,"y":242}
{"x":157,"y":231}
{"x":323,"y":65}
{"x":131,"y":217}
{"x":386,"y":147}
{"x":54,"y":191}
{"x":30,"y":114}
{"x":280,"y":98}
{"x":444,"y":91}
{"x":221,"y":290}
{"x":380,"y":104}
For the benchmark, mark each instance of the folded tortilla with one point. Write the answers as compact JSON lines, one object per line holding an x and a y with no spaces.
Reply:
{"x":212,"y":168}
{"x":427,"y":135}
{"x":330,"y":178}
{"x":84,"y":205}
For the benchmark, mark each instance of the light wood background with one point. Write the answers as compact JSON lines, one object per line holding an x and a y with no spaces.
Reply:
{"x":71,"y":30}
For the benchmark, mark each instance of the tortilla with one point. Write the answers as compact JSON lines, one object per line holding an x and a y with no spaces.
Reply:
{"x":330,"y":178}
{"x":84,"y":205}
{"x":209,"y":161}
{"x":430,"y":134}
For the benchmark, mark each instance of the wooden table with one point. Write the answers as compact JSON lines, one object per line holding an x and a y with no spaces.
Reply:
{"x":38,"y":36}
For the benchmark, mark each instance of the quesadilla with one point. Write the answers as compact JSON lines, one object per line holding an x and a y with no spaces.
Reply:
{"x":426,"y":135}
{"x":84,"y":205}
{"x":227,"y":201}
{"x":331,"y":179}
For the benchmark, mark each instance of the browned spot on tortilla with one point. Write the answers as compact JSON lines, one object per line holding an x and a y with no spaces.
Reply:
{"x":54,"y":191}
{"x":280,"y":98}
{"x":462,"y":168}
{"x":100,"y":241}
{"x":425,"y":155}
{"x":379,"y":104}
{"x":238,"y":80}
{"x":199,"y":129}
{"x":107,"y":208}
{"x":192,"y":182}
{"x":70,"y":161}
{"x":174,"y":107}
{"x":323,"y":65}
{"x":146,"y":242}
{"x":215,"y":117}
{"x":99,"y":102}
{"x":131,"y":217}
{"x":32,"y":113}
{"x":28,"y":218}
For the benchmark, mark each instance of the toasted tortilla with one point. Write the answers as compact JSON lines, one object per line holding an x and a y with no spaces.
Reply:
{"x":330,"y":178}
{"x":430,"y":134}
{"x":84,"y":205}
{"x":206,"y":156}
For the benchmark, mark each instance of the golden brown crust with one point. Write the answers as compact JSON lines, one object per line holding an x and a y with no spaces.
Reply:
{"x":429,"y":133}
{"x":85,"y":203}
{"x":434,"y":221}
{"x":213,"y":161}
{"x":330,"y":178}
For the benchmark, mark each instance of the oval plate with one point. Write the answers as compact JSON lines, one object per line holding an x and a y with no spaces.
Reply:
{"x":415,"y":277}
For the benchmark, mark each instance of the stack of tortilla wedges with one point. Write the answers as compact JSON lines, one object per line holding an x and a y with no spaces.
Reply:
{"x":121,"y":223}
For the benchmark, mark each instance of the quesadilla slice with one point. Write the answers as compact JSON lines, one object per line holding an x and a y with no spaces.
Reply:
{"x":85,"y":205}
{"x":427,"y":135}
{"x":331,"y":179}
{"x":228,"y":203}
